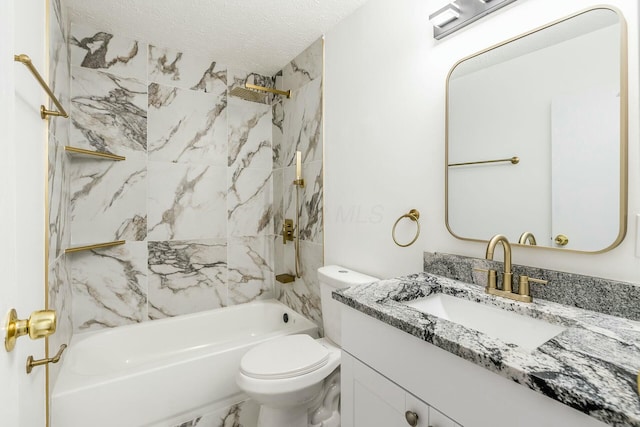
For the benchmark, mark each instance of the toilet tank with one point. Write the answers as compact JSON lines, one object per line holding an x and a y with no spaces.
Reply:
{"x":332,"y":277}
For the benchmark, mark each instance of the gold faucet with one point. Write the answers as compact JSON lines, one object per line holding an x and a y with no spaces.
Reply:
{"x":507,"y":275}
{"x":523,"y":294}
{"x":527,"y":236}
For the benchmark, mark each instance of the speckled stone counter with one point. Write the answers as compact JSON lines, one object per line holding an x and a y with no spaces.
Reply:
{"x":591,"y":366}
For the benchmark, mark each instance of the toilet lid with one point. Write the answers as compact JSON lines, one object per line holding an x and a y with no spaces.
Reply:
{"x":285,"y":357}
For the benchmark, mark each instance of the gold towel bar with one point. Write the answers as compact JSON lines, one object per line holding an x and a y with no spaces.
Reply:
{"x":43,"y":111}
{"x":96,"y":246}
{"x":514,"y":161}
{"x":89,"y":153}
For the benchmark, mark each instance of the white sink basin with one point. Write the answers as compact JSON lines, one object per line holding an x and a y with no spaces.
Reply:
{"x":526,"y":332}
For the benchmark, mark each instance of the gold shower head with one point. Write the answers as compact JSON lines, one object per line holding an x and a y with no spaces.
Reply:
{"x":253,"y":93}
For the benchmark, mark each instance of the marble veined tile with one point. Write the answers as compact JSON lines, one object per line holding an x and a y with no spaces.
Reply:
{"x":108,"y":200}
{"x":310,"y":200}
{"x":59,"y":78}
{"x":109,"y":286}
{"x":238,"y":78}
{"x":58,"y":193}
{"x":186,"y":126}
{"x":278,"y":202}
{"x":59,"y":300}
{"x":186,"y":201}
{"x":305,"y":68}
{"x":101,"y":50}
{"x":187,"y":276}
{"x":185,"y":70}
{"x":242,"y":414}
{"x":249,"y":135}
{"x":311,"y":203}
{"x":277,"y":119}
{"x":303,"y":295}
{"x":302,"y":126}
{"x":249,"y":202}
{"x":250,"y":261}
{"x":109,"y":113}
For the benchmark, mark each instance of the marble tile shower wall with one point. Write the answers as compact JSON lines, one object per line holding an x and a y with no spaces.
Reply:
{"x":193,"y":199}
{"x":297,"y":126}
{"x":58,"y":186}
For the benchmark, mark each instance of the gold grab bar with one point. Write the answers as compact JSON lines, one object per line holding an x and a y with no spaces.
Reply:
{"x":89,"y":153}
{"x":43,"y":111}
{"x":96,"y":246}
{"x":268,"y":89}
{"x":514,"y":161}
{"x":31,"y":363}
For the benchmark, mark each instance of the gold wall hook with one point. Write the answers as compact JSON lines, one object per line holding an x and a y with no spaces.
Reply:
{"x":31,"y":363}
{"x":39,"y":325}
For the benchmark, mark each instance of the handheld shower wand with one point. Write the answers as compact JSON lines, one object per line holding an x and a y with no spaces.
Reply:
{"x":299,"y":183}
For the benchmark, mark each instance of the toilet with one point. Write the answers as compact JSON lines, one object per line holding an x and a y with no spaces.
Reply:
{"x":296,"y":379}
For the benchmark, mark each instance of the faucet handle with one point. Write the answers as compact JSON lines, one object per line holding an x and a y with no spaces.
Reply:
{"x":523,"y":284}
{"x":491,"y":277}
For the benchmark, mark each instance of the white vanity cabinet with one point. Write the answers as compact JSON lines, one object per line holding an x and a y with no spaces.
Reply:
{"x":370,"y":399}
{"x":386,"y":371}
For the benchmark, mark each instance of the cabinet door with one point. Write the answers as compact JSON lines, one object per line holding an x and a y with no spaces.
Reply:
{"x":421,"y":409}
{"x":377,"y":401}
{"x":438,"y":419}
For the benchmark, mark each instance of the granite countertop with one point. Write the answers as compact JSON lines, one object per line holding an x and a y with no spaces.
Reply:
{"x":592,"y":366}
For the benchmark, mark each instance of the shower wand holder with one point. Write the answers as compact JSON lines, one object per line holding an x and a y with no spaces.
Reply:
{"x":299,"y":182}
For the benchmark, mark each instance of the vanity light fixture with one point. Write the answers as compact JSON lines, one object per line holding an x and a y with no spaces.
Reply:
{"x":447,"y":14}
{"x":460,"y":13}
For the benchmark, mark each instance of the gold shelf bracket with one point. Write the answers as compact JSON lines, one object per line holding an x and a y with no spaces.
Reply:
{"x":81,"y":152}
{"x":96,"y":246}
{"x":513,"y":160}
{"x":24,"y":59}
{"x":286,"y":93}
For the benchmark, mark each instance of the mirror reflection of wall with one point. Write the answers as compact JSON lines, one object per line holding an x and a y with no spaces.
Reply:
{"x":552,"y":98}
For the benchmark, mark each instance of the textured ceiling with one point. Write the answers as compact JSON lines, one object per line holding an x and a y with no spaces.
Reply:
{"x":251,"y":35}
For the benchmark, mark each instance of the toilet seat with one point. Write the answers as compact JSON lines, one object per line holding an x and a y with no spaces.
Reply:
{"x":286,"y":357}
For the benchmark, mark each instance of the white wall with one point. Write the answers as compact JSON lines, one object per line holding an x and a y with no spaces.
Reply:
{"x":384,"y":145}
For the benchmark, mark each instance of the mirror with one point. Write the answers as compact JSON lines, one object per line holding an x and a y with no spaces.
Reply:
{"x":537,"y":136}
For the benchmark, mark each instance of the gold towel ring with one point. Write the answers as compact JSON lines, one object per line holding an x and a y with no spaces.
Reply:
{"x":413,"y":215}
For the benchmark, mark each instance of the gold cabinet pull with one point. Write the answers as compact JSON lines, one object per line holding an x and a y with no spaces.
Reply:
{"x":55,"y":359}
{"x":411,"y":417}
{"x":561,"y":240}
{"x":39,"y":325}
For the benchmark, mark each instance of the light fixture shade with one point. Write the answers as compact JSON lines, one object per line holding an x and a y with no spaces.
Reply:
{"x":447,"y":14}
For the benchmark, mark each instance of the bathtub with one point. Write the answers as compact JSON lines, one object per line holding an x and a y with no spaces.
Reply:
{"x":149,"y":373}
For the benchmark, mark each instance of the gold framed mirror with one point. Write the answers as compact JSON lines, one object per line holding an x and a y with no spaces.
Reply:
{"x":536,"y":136}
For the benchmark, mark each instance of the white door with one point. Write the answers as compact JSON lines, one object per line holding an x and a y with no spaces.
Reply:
{"x":22,"y":206}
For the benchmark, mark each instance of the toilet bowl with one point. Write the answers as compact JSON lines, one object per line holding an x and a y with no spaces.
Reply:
{"x":295,"y":379}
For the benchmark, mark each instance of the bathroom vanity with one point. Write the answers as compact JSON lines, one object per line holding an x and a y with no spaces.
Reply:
{"x":399,"y":357}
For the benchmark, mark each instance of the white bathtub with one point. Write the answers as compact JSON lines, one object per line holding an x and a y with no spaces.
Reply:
{"x":144,"y":374}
